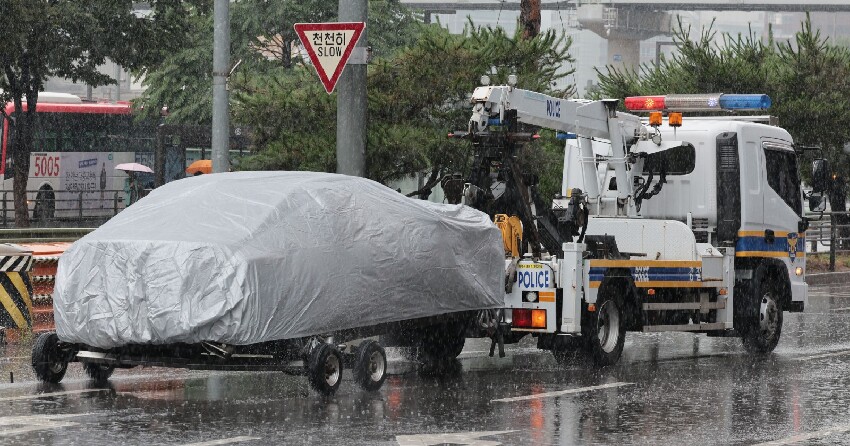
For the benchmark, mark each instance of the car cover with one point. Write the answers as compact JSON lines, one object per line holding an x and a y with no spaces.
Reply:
{"x":247,"y":257}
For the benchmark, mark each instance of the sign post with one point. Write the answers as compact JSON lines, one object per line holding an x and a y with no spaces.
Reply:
{"x":329,"y":46}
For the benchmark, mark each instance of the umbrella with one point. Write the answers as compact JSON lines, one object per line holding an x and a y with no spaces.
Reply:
{"x":133,"y":167}
{"x":200,"y":166}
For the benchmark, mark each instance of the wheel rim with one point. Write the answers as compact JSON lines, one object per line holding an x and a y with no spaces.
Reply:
{"x":768,"y":315}
{"x":608,"y":326}
{"x":376,"y":366}
{"x":55,"y":366}
{"x":332,"y":370}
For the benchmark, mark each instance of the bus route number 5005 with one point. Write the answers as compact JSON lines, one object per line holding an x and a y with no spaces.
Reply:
{"x":46,"y":165}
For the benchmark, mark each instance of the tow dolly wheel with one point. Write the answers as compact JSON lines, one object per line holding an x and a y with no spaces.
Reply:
{"x":370,"y":366}
{"x":48,"y":360}
{"x":99,"y":373}
{"x":324,"y":369}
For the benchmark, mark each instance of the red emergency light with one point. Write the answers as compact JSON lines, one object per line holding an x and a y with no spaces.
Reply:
{"x":645,"y":103}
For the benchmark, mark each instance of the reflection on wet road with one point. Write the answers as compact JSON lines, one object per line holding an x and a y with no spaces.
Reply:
{"x":668,"y":389}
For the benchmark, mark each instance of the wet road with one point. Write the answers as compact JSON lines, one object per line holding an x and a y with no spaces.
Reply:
{"x":668,"y":389}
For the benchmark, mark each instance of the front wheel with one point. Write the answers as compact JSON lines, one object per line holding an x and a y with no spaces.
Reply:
{"x":761,"y":332}
{"x":605,"y":333}
{"x":370,"y":366}
{"x":324,"y":369}
{"x":48,"y":360}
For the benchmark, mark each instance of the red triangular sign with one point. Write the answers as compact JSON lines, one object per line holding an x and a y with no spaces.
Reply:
{"x":329,"y":46}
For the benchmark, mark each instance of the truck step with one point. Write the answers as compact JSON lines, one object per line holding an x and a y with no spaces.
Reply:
{"x":661,"y":306}
{"x":685,"y":327}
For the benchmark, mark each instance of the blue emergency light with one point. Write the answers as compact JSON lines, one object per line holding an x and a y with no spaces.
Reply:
{"x":745,"y":101}
{"x":561,"y":135}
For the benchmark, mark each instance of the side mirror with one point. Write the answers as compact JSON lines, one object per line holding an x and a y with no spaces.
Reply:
{"x":817,"y":203}
{"x":820,"y":175}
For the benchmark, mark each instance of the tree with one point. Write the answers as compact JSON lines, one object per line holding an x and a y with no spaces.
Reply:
{"x":416,"y":96}
{"x":263,"y":39}
{"x":72,"y":39}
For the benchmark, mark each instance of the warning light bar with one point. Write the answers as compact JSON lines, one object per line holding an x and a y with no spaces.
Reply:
{"x":699,"y":102}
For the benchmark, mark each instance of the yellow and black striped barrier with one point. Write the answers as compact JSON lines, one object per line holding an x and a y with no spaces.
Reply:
{"x":15,"y":288}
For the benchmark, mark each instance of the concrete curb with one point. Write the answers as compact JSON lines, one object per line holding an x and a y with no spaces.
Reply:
{"x":828,"y":278}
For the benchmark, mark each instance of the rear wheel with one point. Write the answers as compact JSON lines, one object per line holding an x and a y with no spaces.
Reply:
{"x":442,"y":342}
{"x":370,"y":366}
{"x":48,"y":360}
{"x":605,"y":332}
{"x":763,"y":326}
{"x":99,"y":373}
{"x":324,"y":369}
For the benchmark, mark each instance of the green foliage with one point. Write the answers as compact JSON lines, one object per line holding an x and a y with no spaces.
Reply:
{"x":416,"y":96}
{"x":262,"y":38}
{"x":808,"y":80}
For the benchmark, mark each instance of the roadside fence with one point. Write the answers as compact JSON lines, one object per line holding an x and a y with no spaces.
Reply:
{"x":62,"y":209}
{"x":828,"y":232}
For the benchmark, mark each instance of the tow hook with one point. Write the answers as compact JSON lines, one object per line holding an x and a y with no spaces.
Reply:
{"x":499,"y":338}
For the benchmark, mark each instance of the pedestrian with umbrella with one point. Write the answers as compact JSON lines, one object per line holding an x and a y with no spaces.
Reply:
{"x":133,"y":188}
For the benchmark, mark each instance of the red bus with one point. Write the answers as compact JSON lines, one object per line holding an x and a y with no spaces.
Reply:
{"x":76,"y":147}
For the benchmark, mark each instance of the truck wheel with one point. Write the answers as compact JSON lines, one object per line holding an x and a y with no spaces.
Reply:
{"x":48,"y":360}
{"x":324,"y":369}
{"x":605,"y":332}
{"x":442,"y":342}
{"x":370,"y":367}
{"x":99,"y":373}
{"x":761,"y":332}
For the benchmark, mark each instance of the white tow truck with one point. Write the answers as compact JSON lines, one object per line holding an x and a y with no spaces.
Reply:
{"x":660,"y":225}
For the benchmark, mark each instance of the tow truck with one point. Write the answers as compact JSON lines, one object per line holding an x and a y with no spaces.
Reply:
{"x":661,"y":225}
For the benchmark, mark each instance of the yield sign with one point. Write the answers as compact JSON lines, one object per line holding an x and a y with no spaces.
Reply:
{"x":329,"y":46}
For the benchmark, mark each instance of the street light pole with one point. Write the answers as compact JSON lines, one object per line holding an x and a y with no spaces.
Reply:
{"x":351,"y":99}
{"x":221,"y":104}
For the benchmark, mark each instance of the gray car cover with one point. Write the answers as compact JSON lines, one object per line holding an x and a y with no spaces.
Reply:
{"x":248,"y":257}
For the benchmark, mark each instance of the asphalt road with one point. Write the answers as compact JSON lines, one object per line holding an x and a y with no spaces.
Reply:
{"x":668,"y":389}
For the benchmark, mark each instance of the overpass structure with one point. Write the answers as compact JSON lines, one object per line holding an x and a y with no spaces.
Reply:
{"x":625,"y":23}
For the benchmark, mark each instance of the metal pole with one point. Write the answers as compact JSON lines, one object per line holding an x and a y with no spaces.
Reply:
{"x":351,"y":100}
{"x":221,"y":106}
{"x":832,"y":221}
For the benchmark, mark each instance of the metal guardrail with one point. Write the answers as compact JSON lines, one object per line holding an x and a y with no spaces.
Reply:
{"x":59,"y":208}
{"x":829,"y":230}
{"x":42,"y":235}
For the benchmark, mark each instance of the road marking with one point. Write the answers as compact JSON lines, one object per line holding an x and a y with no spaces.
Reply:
{"x":35,"y":423}
{"x":223,"y":441}
{"x":45,"y":395}
{"x":840,"y":309}
{"x":464,"y":438}
{"x":841,"y":428}
{"x":560,"y":392}
{"x":823,"y":355}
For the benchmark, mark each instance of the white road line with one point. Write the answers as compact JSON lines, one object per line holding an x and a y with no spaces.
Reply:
{"x":223,"y":441}
{"x":469,"y":438}
{"x":840,"y":309}
{"x":45,"y":395}
{"x":841,"y":428}
{"x":560,"y":392}
{"x":17,"y":425}
{"x":823,"y":355}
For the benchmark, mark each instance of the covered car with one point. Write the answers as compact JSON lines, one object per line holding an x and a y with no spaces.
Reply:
{"x":248,"y":257}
